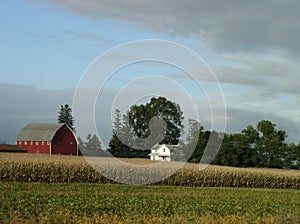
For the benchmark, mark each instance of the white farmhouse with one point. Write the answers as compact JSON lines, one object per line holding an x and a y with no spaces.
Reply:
{"x":161,"y":152}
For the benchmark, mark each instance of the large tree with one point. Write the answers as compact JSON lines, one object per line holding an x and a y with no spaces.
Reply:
{"x":65,"y":116}
{"x":132,"y":135}
{"x":169,"y":112}
{"x":272,"y":147}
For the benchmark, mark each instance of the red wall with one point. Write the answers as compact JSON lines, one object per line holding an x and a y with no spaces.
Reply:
{"x":64,"y":142}
{"x":35,"y":147}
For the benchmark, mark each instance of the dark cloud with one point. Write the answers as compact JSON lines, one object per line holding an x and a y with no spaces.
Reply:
{"x":24,"y":104}
{"x":275,"y":73}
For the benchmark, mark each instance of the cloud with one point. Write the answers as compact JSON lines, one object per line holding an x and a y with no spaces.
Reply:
{"x":257,"y":42}
{"x":24,"y":104}
{"x":88,"y":36}
{"x":275,"y":73}
{"x":229,"y":26}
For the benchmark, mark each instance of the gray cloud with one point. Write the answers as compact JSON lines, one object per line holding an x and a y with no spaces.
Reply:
{"x":224,"y":25}
{"x":24,"y":104}
{"x":259,"y":41}
{"x":275,"y":73}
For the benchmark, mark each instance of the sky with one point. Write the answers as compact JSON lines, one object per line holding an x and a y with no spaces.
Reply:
{"x":249,"y":53}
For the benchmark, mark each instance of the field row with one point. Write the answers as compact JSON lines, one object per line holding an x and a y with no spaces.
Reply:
{"x":92,"y":203}
{"x":51,"y":169}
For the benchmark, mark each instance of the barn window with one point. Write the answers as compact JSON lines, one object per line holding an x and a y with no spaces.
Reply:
{"x":71,"y":143}
{"x":36,"y":143}
{"x":25,"y":142}
{"x":31,"y":143}
{"x":48,"y":143}
{"x":43,"y":143}
{"x":58,"y":142}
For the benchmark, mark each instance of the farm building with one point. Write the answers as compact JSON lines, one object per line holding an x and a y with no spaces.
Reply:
{"x":48,"y":139}
{"x":161,"y":152}
{"x":12,"y":148}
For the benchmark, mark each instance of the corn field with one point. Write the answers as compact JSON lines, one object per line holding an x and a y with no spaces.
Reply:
{"x":67,"y":169}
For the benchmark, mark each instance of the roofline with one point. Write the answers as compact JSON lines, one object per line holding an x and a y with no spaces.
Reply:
{"x":77,"y":150}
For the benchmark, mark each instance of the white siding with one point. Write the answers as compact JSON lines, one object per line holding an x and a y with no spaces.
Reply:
{"x":161,"y":153}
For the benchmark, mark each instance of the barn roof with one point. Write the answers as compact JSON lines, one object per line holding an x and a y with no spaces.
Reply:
{"x":39,"y":132}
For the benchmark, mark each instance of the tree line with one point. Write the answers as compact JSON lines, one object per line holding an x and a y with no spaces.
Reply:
{"x":260,"y":146}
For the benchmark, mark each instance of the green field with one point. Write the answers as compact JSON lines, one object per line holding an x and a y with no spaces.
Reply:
{"x":64,"y":189}
{"x":107,"y":203}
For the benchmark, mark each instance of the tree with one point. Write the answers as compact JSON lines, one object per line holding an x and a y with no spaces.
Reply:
{"x":131,"y":136}
{"x":293,"y":156}
{"x":91,"y":146}
{"x":93,"y":143}
{"x":117,"y":147}
{"x":81,"y":146}
{"x":140,"y":116}
{"x":196,"y":141}
{"x":225,"y":156}
{"x":65,"y":116}
{"x":122,"y":139}
{"x":245,"y":148}
{"x":271,"y":146}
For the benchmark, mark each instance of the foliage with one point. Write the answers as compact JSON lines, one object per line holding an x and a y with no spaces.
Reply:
{"x":196,"y":142}
{"x":65,"y":116}
{"x":90,"y":203}
{"x":140,"y":116}
{"x":91,"y":146}
{"x":271,"y":145}
{"x":264,"y":146}
{"x":131,"y":134}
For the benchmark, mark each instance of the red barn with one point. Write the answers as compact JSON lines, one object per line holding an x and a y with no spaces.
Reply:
{"x":48,"y":139}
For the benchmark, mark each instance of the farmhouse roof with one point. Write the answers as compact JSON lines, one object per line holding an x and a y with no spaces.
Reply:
{"x":157,"y":146}
{"x":39,"y":132}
